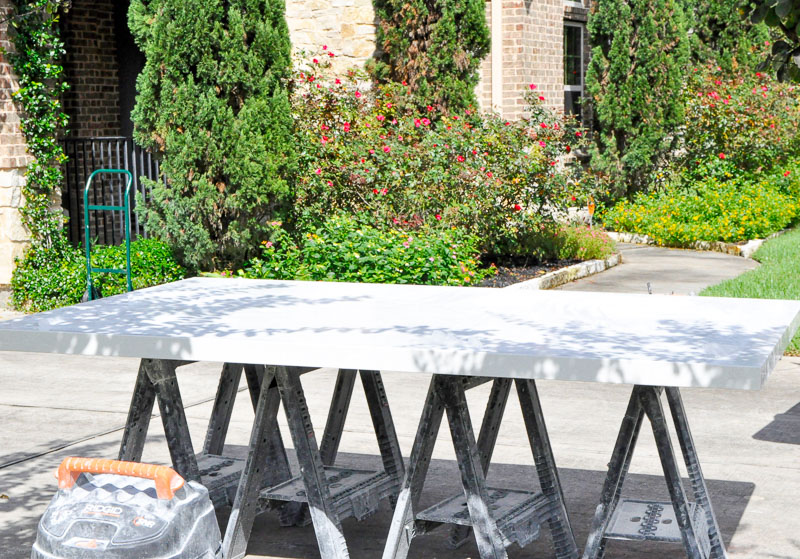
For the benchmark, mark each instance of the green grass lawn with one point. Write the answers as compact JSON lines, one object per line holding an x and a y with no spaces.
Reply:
{"x":778,"y":277}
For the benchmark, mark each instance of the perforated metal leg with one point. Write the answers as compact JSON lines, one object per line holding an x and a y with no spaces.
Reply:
{"x":256,"y":470}
{"x":487,"y":536}
{"x":402,"y":529}
{"x":557,"y":517}
{"x":646,"y":520}
{"x":495,"y":407}
{"x":139,"y":412}
{"x":699,"y":487}
{"x":327,"y":527}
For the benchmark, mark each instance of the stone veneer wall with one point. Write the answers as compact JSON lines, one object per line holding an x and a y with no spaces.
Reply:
{"x":13,"y":160}
{"x":91,"y":69}
{"x":346,"y":27}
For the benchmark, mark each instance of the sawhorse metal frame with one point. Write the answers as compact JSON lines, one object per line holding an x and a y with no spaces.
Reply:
{"x":264,"y":479}
{"x":497,"y":517}
{"x":678,"y":521}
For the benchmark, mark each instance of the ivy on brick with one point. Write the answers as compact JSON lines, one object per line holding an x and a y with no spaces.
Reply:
{"x":434,"y":46}
{"x":38,"y":49}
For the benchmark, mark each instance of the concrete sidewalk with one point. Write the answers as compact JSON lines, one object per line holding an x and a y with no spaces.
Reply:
{"x":669,"y":271}
{"x":749,"y":442}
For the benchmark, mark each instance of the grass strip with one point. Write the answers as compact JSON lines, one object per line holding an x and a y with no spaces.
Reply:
{"x":778,"y":277}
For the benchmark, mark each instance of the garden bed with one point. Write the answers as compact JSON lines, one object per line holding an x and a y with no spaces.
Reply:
{"x":511,"y":271}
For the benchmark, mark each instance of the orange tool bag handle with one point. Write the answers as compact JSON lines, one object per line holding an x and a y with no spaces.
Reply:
{"x":167,"y":480}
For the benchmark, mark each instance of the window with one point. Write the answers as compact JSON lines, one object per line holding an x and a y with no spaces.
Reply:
{"x":573,"y":68}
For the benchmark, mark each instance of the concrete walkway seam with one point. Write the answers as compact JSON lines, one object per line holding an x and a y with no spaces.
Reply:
{"x":745,"y":250}
{"x":570,"y":273}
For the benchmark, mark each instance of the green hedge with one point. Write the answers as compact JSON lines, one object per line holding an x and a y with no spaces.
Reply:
{"x":343,"y":249}
{"x":47,"y":278}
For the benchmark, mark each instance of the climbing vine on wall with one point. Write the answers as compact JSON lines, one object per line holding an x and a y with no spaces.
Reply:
{"x":38,"y":48}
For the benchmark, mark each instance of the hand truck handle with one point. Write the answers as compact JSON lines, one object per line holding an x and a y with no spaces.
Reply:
{"x":167,"y":480}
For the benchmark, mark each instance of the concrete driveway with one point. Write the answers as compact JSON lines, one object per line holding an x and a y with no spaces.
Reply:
{"x":749,"y":445}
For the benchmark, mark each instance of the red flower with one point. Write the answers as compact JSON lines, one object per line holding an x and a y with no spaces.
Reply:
{"x":507,"y":123}
{"x":384,"y":191}
{"x":532,"y":86}
{"x":517,"y":207}
{"x":330,"y":183}
{"x":318,"y":171}
{"x":347,"y":127}
{"x":573,"y":198}
{"x":489,"y":174}
{"x":460,"y":158}
{"x":337,"y":81}
{"x":430,"y":108}
{"x":722,"y":156}
{"x":374,"y":190}
{"x":358,"y":95}
{"x":474,"y":152}
{"x":331,"y":54}
{"x":316,"y":61}
{"x":381,"y":118}
{"x":541,"y":97}
{"x":568,"y":149}
{"x":404,"y":82}
{"x":579,"y":134}
{"x":787,"y":173}
{"x":324,"y":47}
{"x":543,"y":125}
{"x":438,"y":217}
{"x":324,"y":140}
{"x":426,"y":121}
{"x":417,"y":123}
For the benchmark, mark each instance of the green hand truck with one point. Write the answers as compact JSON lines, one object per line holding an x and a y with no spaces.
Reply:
{"x":91,"y":291}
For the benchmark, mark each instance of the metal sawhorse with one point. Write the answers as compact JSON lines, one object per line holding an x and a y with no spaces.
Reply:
{"x":264,"y":479}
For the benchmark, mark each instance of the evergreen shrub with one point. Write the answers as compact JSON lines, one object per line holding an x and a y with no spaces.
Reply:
{"x":212,"y":103}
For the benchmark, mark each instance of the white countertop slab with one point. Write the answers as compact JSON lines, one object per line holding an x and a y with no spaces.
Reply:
{"x":600,"y":337}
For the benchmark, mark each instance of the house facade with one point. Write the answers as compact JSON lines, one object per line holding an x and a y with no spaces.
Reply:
{"x":538,"y":42}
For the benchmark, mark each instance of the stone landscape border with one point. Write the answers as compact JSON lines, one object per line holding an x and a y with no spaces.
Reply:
{"x":570,"y":273}
{"x":744,"y":250}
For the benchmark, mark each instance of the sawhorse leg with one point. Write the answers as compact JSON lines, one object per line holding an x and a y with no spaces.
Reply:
{"x":157,"y":380}
{"x":702,"y":539}
{"x":448,"y":393}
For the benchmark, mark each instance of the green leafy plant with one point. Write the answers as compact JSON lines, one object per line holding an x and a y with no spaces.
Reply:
{"x":35,"y":59}
{"x":345,"y":249}
{"x":368,"y":151}
{"x":50,"y":277}
{"x":213,"y":104}
{"x":723,"y":206}
{"x":581,"y":242}
{"x":435,"y":48}
{"x":639,"y":59}
{"x":784,"y":16}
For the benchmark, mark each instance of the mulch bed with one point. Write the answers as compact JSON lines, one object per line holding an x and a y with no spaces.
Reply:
{"x":515,"y":270}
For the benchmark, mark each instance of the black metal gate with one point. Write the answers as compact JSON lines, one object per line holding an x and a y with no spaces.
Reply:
{"x":85,"y":155}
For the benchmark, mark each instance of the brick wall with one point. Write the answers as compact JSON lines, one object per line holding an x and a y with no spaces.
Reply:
{"x":533,"y":37}
{"x":13,"y":160}
{"x":347,"y":27}
{"x":91,"y":69}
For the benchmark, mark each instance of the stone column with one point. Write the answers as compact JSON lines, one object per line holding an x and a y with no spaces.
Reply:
{"x":14,"y":159}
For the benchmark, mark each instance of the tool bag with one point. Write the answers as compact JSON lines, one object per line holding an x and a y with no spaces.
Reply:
{"x":108,"y":509}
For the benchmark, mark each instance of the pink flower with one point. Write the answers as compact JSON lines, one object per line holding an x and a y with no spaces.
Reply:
{"x":386,"y":149}
{"x":460,"y":158}
{"x":394,"y":121}
{"x":381,"y":118}
{"x":541,"y":97}
{"x":439,"y":216}
{"x":330,"y":183}
{"x":417,"y":123}
{"x":337,"y":81}
{"x":372,"y":151}
{"x":400,"y":138}
{"x":722,"y":156}
{"x":268,"y":244}
{"x":331,"y":54}
{"x":405,"y":244}
{"x":318,"y":171}
{"x":325,"y":127}
{"x":517,"y":207}
{"x":388,"y":105}
{"x":543,"y":125}
{"x":384,"y":191}
{"x":426,"y":121}
{"x":324,"y":140}
{"x":489,"y":174}
{"x":542,"y":143}
{"x":358,"y":95}
{"x":324,"y":47}
{"x":316,"y":61}
{"x":532,"y":86}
